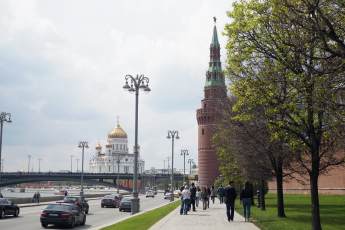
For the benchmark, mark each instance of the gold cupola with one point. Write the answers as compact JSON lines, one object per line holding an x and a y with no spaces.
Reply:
{"x":98,"y":146}
{"x":117,"y":132}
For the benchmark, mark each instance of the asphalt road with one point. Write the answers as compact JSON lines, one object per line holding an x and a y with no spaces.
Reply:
{"x":29,"y":218}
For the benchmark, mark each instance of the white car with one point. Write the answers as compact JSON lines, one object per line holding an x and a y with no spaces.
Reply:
{"x":150,"y":194}
{"x":167,"y":195}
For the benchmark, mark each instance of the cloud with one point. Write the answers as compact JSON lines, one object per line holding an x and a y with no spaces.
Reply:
{"x":62,"y":67}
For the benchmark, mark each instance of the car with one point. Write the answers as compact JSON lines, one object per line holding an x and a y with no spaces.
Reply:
{"x":111,"y":201}
{"x":167,"y":195}
{"x":177,"y":193}
{"x":7,"y":207}
{"x":66,"y":214}
{"x":150,"y":193}
{"x":125,"y":204}
{"x":77,"y":200}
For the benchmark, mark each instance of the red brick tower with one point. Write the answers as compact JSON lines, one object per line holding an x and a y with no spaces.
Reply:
{"x":210,"y":114}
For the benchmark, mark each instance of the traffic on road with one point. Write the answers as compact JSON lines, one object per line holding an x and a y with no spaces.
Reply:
{"x":71,"y":212}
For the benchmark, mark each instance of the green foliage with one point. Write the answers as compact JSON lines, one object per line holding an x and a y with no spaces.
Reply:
{"x":297,"y":212}
{"x":146,"y":220}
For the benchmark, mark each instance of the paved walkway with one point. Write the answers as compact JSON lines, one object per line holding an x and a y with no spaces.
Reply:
{"x":213,"y":218}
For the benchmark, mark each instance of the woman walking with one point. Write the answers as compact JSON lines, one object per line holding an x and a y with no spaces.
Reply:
{"x":186,"y":199}
{"x":204,"y":198}
{"x":213,"y":193}
{"x":246,"y":198}
{"x":197,"y":196}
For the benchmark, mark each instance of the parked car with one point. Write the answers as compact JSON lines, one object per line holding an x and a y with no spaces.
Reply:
{"x":7,"y":207}
{"x":150,"y":193}
{"x":125,"y":204}
{"x":167,"y":195}
{"x":62,"y":214}
{"x":77,"y":200}
{"x":110,"y":201}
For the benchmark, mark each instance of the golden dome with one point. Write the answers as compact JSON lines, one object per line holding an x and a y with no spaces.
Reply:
{"x":117,"y":132}
{"x":98,"y":146}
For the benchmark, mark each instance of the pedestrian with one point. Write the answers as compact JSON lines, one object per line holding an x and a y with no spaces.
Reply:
{"x":197,"y":196}
{"x":38,"y":197}
{"x":193,"y":196}
{"x":213,"y":193}
{"x":246,"y":197}
{"x":230,"y":196}
{"x":66,"y":193}
{"x":208,"y":191}
{"x":186,"y":200}
{"x":220,"y":192}
{"x":204,"y":198}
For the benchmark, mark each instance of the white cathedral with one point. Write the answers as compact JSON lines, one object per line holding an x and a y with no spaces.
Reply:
{"x":115,"y":158}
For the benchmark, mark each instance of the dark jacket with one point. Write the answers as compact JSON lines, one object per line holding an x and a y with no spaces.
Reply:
{"x":220,"y":191}
{"x":193,"y":192}
{"x":246,"y":193}
{"x":230,"y":194}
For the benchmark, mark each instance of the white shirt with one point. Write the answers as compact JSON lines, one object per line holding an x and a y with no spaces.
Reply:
{"x":185,"y":194}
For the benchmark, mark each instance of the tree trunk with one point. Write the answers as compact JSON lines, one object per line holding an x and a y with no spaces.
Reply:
{"x":315,"y":206}
{"x":280,"y":192}
{"x":262,"y":195}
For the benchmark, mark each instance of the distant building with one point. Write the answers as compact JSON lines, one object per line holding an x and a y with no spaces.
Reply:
{"x":115,"y":156}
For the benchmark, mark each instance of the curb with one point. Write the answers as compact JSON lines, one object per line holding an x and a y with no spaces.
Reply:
{"x":49,"y":202}
{"x":128,"y":217}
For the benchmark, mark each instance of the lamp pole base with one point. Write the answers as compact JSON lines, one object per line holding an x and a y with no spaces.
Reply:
{"x":135,"y":205}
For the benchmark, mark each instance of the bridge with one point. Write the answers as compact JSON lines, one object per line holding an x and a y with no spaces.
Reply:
{"x":107,"y":179}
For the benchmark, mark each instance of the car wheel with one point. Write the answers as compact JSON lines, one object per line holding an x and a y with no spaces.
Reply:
{"x":120,"y":209}
{"x":16,"y":214}
{"x":102,"y":206}
{"x":84,"y":220}
{"x":44,"y":225}
{"x":2,"y":213}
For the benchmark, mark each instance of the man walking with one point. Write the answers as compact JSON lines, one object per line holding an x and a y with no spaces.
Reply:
{"x":230,"y":196}
{"x":221,"y":194}
{"x":193,"y":196}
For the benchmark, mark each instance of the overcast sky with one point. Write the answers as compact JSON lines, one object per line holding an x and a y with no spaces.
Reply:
{"x":62,"y":68}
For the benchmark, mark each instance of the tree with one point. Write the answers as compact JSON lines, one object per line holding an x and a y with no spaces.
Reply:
{"x":250,"y":146}
{"x":277,"y":61}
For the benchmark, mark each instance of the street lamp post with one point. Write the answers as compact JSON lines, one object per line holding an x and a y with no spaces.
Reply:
{"x":184,"y":152}
{"x":39,"y":164}
{"x":29,"y":159}
{"x":4,"y":117}
{"x":82,"y":145}
{"x":172,"y":134}
{"x":136,"y":83}
{"x":190,"y":161}
{"x":71,"y":162}
{"x":77,"y":164}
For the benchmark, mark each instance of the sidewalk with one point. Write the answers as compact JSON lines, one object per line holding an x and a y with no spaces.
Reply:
{"x":213,"y":218}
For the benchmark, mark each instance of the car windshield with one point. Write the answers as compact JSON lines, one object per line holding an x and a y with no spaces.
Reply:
{"x":126,"y":199}
{"x":58,"y":207}
{"x":69,"y":198}
{"x":3,"y":201}
{"x":108,"y":197}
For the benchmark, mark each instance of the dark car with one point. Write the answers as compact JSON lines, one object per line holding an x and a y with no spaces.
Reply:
{"x":125,"y":204}
{"x":77,"y":200}
{"x":62,"y":214}
{"x":7,"y":207}
{"x":110,"y":201}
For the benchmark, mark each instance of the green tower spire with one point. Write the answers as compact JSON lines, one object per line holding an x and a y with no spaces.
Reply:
{"x":214,"y":74}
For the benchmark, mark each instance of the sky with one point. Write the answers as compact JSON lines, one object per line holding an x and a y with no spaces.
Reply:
{"x":62,"y":68}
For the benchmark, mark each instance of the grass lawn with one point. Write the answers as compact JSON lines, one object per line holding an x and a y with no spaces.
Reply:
{"x":298,"y":212}
{"x":145,"y":220}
